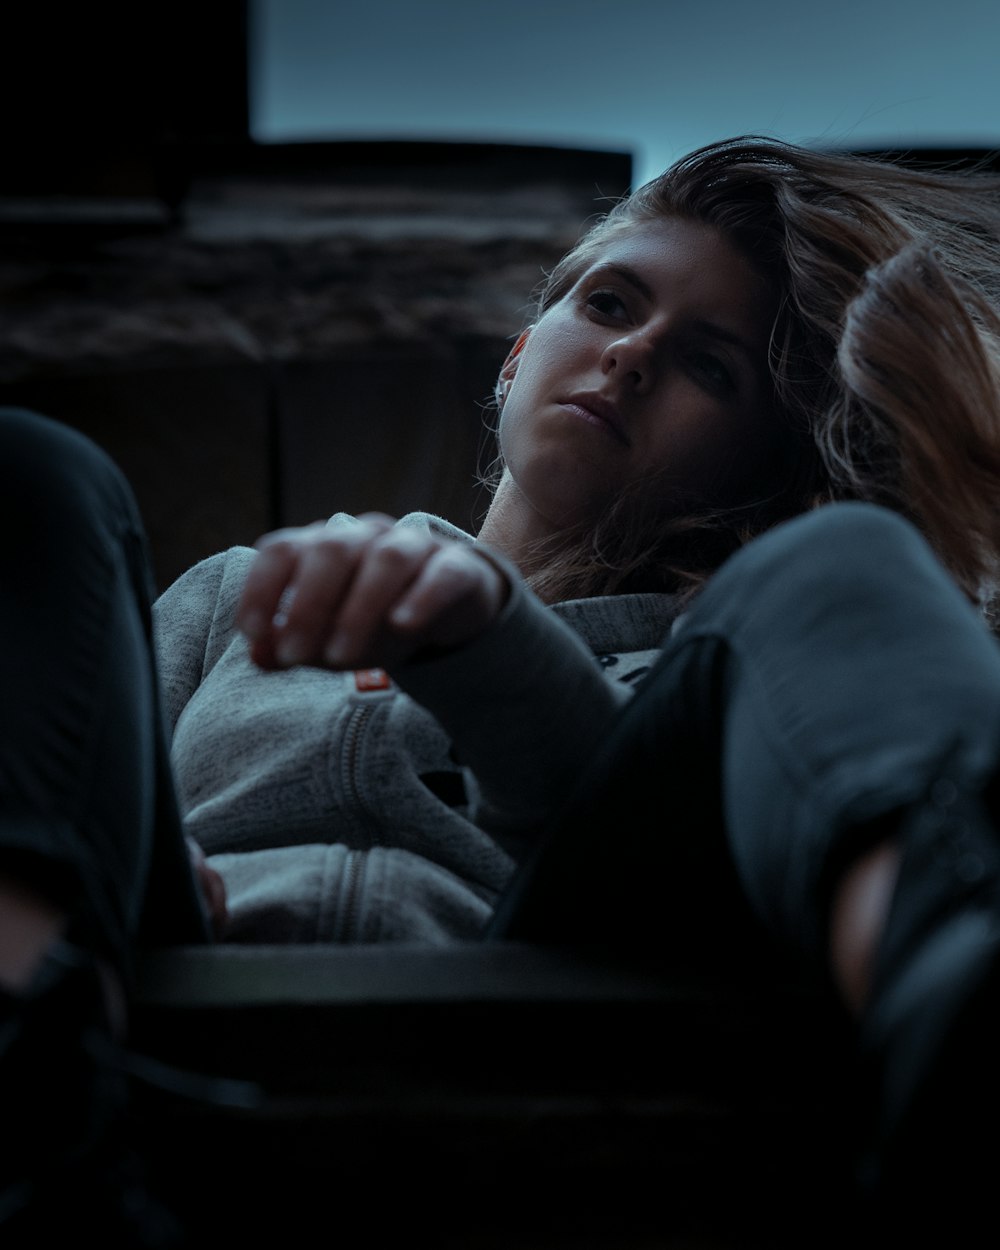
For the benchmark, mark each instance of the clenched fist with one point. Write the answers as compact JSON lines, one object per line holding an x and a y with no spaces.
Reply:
{"x":365,"y":595}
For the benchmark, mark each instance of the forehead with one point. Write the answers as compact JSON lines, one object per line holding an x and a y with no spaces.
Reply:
{"x":680,"y":259}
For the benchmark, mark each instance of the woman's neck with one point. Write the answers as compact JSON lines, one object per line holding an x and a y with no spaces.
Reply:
{"x":515,"y":529}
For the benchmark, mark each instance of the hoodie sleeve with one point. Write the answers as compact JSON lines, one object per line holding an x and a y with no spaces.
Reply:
{"x":526,"y":707}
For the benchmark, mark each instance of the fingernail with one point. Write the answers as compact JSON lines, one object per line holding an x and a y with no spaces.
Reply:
{"x":402,"y":615}
{"x":338,"y":648}
{"x":253,"y":625}
{"x":289,"y":652}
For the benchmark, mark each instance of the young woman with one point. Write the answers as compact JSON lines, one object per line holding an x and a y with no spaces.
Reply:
{"x":372,"y":721}
{"x":334,"y":806}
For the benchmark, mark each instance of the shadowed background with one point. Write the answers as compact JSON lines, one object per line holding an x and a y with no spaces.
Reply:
{"x":271,"y":254}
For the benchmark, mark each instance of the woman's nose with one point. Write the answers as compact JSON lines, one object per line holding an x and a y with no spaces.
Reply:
{"x":630,"y":357}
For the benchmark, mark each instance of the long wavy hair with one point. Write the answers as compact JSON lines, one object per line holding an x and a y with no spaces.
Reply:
{"x":884,"y":357}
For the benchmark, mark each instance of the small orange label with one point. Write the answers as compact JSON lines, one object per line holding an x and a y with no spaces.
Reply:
{"x":371,"y":679}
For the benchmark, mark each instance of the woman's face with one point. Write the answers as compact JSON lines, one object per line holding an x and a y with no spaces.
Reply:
{"x":655,"y":362}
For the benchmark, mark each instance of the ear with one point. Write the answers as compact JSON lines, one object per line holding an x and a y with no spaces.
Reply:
{"x":509,"y":368}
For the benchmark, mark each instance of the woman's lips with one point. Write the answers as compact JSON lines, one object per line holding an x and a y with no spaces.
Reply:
{"x":598,"y":411}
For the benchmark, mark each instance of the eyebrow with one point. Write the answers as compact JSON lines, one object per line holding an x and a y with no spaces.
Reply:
{"x":727,"y":336}
{"x":710,"y":328}
{"x":630,"y":276}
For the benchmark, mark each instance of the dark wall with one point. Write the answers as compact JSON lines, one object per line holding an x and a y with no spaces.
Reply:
{"x":307,"y":329}
{"x":94,"y":97}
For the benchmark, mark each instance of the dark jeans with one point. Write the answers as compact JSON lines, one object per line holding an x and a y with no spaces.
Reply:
{"x":87,"y":808}
{"x":827,"y":677}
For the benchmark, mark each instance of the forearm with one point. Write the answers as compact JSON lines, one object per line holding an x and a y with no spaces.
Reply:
{"x":525,"y":705}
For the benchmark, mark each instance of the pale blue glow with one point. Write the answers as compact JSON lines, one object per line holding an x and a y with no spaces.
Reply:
{"x":656,"y":77}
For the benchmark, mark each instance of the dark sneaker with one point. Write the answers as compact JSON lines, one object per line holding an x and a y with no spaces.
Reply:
{"x":65,"y":1165}
{"x":931,"y":1033}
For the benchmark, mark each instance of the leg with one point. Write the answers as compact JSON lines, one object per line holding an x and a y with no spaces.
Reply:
{"x":828,"y":674}
{"x":830,"y":693}
{"x":87,"y":813}
{"x":90,"y":841}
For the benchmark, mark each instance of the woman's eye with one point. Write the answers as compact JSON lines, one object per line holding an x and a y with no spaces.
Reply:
{"x":607,"y":304}
{"x":712,"y":370}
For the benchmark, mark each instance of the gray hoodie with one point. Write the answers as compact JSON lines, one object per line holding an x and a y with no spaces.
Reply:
{"x":358,"y":807}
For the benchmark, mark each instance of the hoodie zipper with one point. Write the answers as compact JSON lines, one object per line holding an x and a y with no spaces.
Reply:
{"x":350,"y":779}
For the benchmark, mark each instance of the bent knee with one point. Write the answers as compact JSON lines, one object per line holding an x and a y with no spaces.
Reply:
{"x":46,"y":465}
{"x":838,"y":553}
{"x":849,"y":539}
{"x":852,"y":522}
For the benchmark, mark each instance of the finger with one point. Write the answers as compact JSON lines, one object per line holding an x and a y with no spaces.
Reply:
{"x":273,"y":582}
{"x":213,"y":888}
{"x":215,"y":896}
{"x":270,"y":573}
{"x":329,"y":556}
{"x":213,"y":892}
{"x":457,"y":595}
{"x":322,"y":578}
{"x":386,"y":569}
